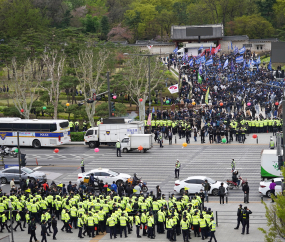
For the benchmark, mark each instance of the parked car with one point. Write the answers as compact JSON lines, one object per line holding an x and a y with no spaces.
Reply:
{"x":106,"y":175}
{"x":264,"y":187}
{"x":194,"y":183}
{"x":6,"y":175}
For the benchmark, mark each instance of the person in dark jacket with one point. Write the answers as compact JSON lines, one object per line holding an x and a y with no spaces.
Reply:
{"x":222,"y":192}
{"x":245,"y":220}
{"x":63,"y":190}
{"x":44,"y":231}
{"x":54,"y":226}
{"x":120,"y":190}
{"x":239,"y":216}
{"x":69,"y":187}
{"x":129,"y":190}
{"x":32,"y":229}
{"x":245,"y":190}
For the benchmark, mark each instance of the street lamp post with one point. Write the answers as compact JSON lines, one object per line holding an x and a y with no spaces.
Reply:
{"x":283,"y":115}
{"x":11,"y":220}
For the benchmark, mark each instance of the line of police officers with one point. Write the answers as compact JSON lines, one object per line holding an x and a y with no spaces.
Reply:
{"x":90,"y":214}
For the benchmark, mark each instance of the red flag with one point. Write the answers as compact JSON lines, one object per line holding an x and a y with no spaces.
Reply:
{"x":217,"y":49}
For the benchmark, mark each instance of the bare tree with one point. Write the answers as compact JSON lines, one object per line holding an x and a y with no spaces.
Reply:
{"x":54,"y":65}
{"x":23,"y":86}
{"x":89,"y":68}
{"x":137,"y":81}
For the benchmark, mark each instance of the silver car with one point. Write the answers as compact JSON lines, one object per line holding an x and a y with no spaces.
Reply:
{"x":6,"y":175}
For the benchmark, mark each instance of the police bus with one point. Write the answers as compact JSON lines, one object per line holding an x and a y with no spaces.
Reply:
{"x":34,"y":132}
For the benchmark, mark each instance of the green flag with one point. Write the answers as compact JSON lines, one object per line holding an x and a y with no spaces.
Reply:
{"x":199,"y":78}
{"x":207,"y":96}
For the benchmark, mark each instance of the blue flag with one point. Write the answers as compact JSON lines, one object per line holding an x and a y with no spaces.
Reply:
{"x":200,"y":69}
{"x":269,"y":65}
{"x":236,"y":50}
{"x":239,"y":59}
{"x":226,"y":64}
{"x":201,"y":47}
{"x":258,"y":60}
{"x":232,"y":66}
{"x":244,"y":64}
{"x":232,"y":45}
{"x":153,"y":110}
{"x":209,"y":62}
{"x":242,"y":50}
{"x":175,"y":50}
{"x":203,"y":59}
{"x":191,"y":63}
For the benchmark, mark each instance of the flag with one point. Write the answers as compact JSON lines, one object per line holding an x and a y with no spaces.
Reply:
{"x":211,"y":49}
{"x":244,"y":64}
{"x":232,"y":66}
{"x":149,"y":46}
{"x":175,"y":50}
{"x":258,"y":60}
{"x":236,"y":50}
{"x":108,"y":189}
{"x":239,"y":59}
{"x":191,"y":63}
{"x":269,"y":65}
{"x":232,"y":45}
{"x":209,"y":62}
{"x":203,"y":59}
{"x":201,"y":47}
{"x":199,"y":78}
{"x":242,"y":50}
{"x":226,"y":64}
{"x":200,"y":69}
{"x":186,"y":188}
{"x":173,"y":89}
{"x":217,"y":49}
{"x":153,"y":110}
{"x":207,"y":96}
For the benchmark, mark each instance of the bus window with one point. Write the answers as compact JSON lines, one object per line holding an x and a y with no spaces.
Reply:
{"x":53,"y":127}
{"x":33,"y":127}
{"x":6,"y":127}
{"x":64,"y":125}
{"x":19,"y":127}
{"x":45,"y":127}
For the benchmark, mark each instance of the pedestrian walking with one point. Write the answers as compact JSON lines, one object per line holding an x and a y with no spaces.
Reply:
{"x":12,"y":183}
{"x":54,"y":226}
{"x":82,"y":165}
{"x":160,"y":140}
{"x":18,"y":220}
{"x":207,"y":188}
{"x":233,"y":165}
{"x":245,"y":190}
{"x":32,"y":229}
{"x":272,"y":189}
{"x":138,"y":224}
{"x":222,"y":192}
{"x":118,"y":146}
{"x":245,"y":220}
{"x":177,"y":168}
{"x":44,"y":231}
{"x":170,"y":137}
{"x":212,"y":227}
{"x":239,"y":216}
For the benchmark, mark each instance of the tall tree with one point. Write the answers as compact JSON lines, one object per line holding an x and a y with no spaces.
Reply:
{"x":89,"y":68}
{"x":105,"y":27}
{"x":54,"y":63}
{"x":23,"y":86}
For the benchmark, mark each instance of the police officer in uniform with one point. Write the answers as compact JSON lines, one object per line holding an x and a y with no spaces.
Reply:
{"x":239,"y":216}
{"x":245,"y":220}
{"x":82,"y":165}
{"x":71,"y":125}
{"x":138,"y":224}
{"x":118,"y":146}
{"x":212,"y":227}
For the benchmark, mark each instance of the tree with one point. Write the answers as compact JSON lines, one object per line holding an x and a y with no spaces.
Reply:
{"x":105,"y":27}
{"x":89,"y":67}
{"x":254,"y":26}
{"x":137,"y":83}
{"x":54,"y":63}
{"x":275,"y":215}
{"x":19,"y":15}
{"x":23,"y":86}
{"x":265,"y":8}
{"x":119,"y":33}
{"x":91,"y":24}
{"x":102,"y":110}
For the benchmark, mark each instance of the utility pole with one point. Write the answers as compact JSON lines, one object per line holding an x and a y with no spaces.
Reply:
{"x":19,"y":154}
{"x":109,"y":98}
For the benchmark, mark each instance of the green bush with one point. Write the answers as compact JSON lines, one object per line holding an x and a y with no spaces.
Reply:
{"x":77,"y":136}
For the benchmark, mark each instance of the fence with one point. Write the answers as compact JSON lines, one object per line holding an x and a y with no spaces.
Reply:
{"x":230,"y":217}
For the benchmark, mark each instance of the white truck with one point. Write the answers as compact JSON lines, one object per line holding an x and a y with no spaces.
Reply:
{"x":269,"y":164}
{"x":133,"y":141}
{"x":111,"y":130}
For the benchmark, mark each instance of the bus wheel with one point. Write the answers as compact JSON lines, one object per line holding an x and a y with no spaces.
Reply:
{"x":92,"y":145}
{"x":36,"y":144}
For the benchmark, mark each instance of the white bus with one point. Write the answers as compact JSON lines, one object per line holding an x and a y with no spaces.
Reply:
{"x":34,"y":132}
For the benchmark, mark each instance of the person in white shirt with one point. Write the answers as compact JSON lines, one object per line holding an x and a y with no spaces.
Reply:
{"x":12,"y":183}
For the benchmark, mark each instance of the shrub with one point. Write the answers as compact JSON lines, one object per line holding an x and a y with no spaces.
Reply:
{"x":77,"y":136}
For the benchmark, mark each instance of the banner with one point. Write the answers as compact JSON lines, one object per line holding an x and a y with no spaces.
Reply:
{"x":149,"y":120}
{"x":207,"y":96}
{"x":173,"y":89}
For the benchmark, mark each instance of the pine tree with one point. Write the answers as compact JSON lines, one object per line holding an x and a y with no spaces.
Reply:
{"x":105,"y":27}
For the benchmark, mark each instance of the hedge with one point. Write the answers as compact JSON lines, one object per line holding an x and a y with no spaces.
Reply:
{"x":77,"y":136}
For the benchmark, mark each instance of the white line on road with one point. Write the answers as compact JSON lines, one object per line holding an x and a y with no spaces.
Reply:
{"x":37,"y":168}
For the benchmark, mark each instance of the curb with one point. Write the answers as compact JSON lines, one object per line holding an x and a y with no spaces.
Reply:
{"x":75,"y":143}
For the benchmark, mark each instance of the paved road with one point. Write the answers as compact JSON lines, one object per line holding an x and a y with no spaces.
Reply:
{"x":156,"y":167}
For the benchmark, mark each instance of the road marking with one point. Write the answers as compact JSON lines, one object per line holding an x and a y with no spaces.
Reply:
{"x":2,"y":185}
{"x":37,"y":168}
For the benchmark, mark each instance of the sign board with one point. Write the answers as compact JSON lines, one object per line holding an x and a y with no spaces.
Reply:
{"x":247,"y":45}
